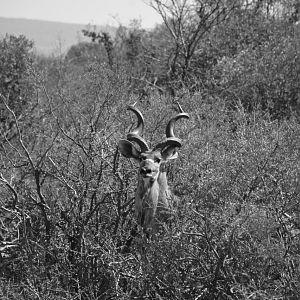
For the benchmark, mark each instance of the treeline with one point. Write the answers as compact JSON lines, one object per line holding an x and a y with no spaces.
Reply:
{"x":66,"y":195}
{"x":245,"y":51}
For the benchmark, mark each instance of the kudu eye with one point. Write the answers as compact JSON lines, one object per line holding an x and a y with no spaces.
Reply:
{"x":157,"y":160}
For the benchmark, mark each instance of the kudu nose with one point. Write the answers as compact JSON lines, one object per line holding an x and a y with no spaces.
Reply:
{"x":145,"y":171}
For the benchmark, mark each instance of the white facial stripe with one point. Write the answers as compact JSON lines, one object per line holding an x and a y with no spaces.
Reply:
{"x":149,"y":160}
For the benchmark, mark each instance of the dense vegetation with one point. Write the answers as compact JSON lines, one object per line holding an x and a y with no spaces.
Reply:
{"x":66,"y":205}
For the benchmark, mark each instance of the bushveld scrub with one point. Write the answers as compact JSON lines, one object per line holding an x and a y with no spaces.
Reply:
{"x":66,"y":208}
{"x":66,"y":205}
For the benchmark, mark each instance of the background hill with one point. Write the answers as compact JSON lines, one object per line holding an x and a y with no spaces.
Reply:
{"x":49,"y":37}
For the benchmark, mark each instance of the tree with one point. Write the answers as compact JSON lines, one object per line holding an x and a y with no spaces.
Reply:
{"x":103,"y":38}
{"x":15,"y":61}
{"x":258,"y":59}
{"x":188,"y":22}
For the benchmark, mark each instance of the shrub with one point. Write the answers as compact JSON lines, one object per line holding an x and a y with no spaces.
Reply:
{"x":67,"y":198}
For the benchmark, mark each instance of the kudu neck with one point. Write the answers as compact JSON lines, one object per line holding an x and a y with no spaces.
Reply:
{"x":162,"y":180}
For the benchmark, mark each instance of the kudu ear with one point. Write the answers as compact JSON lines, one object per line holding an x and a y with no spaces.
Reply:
{"x":128,"y":150}
{"x":169,"y":152}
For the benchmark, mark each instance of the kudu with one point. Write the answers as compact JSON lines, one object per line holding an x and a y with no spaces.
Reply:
{"x":154,"y":201}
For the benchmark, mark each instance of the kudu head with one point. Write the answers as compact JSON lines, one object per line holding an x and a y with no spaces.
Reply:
{"x":152,"y":190}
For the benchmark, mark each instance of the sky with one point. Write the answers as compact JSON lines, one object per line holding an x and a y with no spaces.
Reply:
{"x":94,"y":12}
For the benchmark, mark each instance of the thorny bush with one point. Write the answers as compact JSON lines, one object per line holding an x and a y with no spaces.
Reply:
{"x":66,"y":202}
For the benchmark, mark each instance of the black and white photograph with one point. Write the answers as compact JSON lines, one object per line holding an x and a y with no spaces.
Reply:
{"x":149,"y":149}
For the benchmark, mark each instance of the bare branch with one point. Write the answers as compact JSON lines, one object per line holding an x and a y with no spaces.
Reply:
{"x":20,"y":138}
{"x":11,"y":188}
